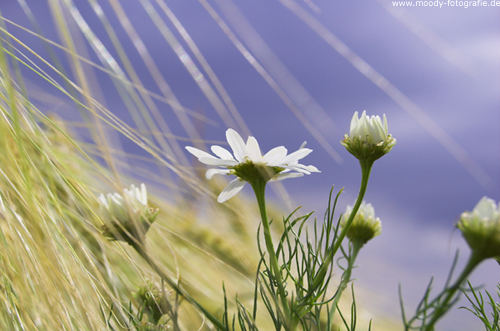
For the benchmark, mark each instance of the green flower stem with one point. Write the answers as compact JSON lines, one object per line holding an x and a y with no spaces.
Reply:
{"x":444,"y":306}
{"x":259,"y":187}
{"x":346,"y":277}
{"x":366,"y":167}
{"x":142,"y":252}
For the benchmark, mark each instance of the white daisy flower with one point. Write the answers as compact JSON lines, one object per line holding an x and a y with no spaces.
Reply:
{"x":127,"y":215}
{"x":481,"y":228}
{"x":249,"y":165}
{"x":368,"y":138}
{"x":132,"y":201}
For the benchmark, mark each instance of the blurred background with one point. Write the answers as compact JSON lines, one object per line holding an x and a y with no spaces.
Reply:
{"x":286,"y":72}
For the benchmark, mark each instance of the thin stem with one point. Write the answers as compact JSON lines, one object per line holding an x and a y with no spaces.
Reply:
{"x":259,"y":188}
{"x":346,"y":277}
{"x":444,"y":306}
{"x":366,"y":167}
{"x":142,"y":252}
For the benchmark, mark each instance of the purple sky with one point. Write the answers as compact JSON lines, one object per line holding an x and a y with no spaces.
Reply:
{"x":444,"y":65}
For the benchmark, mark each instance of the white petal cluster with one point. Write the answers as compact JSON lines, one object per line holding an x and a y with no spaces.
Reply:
{"x":365,"y":225}
{"x":369,"y":127}
{"x":132,"y":202}
{"x":127,"y":216}
{"x":486,"y":210}
{"x":369,"y":137}
{"x":365,"y":210}
{"x":481,"y":228}
{"x":280,"y":164}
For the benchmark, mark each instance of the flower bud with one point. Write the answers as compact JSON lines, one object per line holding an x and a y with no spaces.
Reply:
{"x":368,"y":139}
{"x":364,"y":226}
{"x":127,"y":216}
{"x":481,"y":228}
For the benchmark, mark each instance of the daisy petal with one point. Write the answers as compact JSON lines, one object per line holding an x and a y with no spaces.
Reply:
{"x":485,"y":208}
{"x":309,"y":168}
{"x":222,"y":152}
{"x":253,"y":150}
{"x":306,"y":169}
{"x":231,"y":190}
{"x":296,"y":168}
{"x":275,"y":156}
{"x":217,"y":162}
{"x":286,"y":175}
{"x":297,"y":155}
{"x":212,"y":172}
{"x":354,"y":123}
{"x":237,"y":144}
{"x":199,"y":153}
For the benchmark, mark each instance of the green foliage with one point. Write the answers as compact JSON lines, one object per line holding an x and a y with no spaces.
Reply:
{"x":428,"y":310}
{"x":302,"y":250}
{"x":484,"y":306}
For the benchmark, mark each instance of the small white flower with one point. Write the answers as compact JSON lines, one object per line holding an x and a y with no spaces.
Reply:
{"x":481,"y":228}
{"x":368,"y":138}
{"x":133,"y":201}
{"x":128,"y":215}
{"x":365,"y":225}
{"x":486,"y":210}
{"x":249,"y":165}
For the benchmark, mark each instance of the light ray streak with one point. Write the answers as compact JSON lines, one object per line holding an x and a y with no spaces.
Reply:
{"x":153,"y":69}
{"x":189,"y":64}
{"x":206,"y":66}
{"x":456,"y":150}
{"x":271,"y":82}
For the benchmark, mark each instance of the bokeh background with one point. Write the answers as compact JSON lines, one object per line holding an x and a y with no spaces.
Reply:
{"x":289,"y":71}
